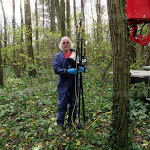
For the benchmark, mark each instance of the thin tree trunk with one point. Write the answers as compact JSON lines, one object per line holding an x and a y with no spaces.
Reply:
{"x":75,"y":15}
{"x":5,"y":33}
{"x":13,"y":23}
{"x":15,"y":56}
{"x":63,"y":30}
{"x":21,"y":38}
{"x":37,"y":32}
{"x":142,"y":52}
{"x":94,"y":29}
{"x":43,"y":12}
{"x":53,"y":26}
{"x":82,"y":12}
{"x":132,"y":53}
{"x":99,"y":22}
{"x":120,"y":42}
{"x":1,"y":65}
{"x":32,"y":70}
{"x":68,"y":19}
{"x":58,"y":12}
{"x":83,"y":25}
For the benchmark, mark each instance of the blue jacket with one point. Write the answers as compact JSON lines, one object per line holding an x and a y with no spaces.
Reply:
{"x":65,"y":80}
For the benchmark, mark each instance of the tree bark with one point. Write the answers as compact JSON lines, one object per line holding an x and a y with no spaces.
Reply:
{"x":119,"y":42}
{"x":99,"y":22}
{"x":43,"y":11}
{"x":53,"y":25}
{"x":58,"y":14}
{"x":32,"y":70}
{"x":21,"y":39}
{"x":15,"y":53}
{"x":75,"y":15}
{"x":68,"y":19}
{"x":63,"y":30}
{"x":37,"y":32}
{"x":82,"y":13}
{"x":5,"y":33}
{"x":1,"y":65}
{"x":132,"y":53}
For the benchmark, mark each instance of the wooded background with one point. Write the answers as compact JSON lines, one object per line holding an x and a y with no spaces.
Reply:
{"x":29,"y":43}
{"x":33,"y":41}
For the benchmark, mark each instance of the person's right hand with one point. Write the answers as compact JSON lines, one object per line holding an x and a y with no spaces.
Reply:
{"x":72,"y":71}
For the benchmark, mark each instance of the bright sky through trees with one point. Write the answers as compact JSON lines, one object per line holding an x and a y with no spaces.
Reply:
{"x":88,"y":8}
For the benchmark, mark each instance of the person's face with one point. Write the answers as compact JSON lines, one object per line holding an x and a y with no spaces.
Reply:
{"x":66,"y":44}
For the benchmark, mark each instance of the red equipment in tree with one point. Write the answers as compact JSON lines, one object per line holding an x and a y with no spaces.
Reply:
{"x":138,"y":12}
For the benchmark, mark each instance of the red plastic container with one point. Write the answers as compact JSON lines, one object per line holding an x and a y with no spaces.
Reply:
{"x":138,"y":11}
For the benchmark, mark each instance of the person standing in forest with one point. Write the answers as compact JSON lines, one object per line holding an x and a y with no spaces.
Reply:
{"x":65,"y":66}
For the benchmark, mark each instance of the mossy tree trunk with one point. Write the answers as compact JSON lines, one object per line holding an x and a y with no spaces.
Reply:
{"x":32,"y":70}
{"x":120,"y":42}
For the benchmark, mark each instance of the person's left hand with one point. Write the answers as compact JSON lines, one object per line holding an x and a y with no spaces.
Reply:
{"x":81,"y":69}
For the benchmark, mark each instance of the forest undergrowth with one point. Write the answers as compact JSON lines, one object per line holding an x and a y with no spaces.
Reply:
{"x":28,"y":111}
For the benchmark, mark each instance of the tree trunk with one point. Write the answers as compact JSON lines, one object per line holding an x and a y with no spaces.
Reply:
{"x":82,"y":13}
{"x":68,"y":19}
{"x":99,"y":22}
{"x":21,"y":39}
{"x":13,"y":23}
{"x":1,"y":65}
{"x":43,"y":23}
{"x":132,"y":53}
{"x":94,"y":27}
{"x":120,"y":42}
{"x":15,"y":53}
{"x":53,"y":26}
{"x":63,"y":30}
{"x":58,"y":12}
{"x":5,"y":33}
{"x":32,"y":70}
{"x":75,"y":15}
{"x":83,"y":25}
{"x":37,"y":33}
{"x":142,"y":52}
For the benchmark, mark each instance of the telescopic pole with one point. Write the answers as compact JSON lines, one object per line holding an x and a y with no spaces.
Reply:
{"x":80,"y":81}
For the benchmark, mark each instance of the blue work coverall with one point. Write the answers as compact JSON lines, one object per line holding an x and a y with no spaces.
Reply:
{"x":65,"y":88}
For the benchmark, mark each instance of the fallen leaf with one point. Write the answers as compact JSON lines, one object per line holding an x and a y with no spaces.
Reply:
{"x":138,"y":140}
{"x":145,"y":143}
{"x":78,"y":142}
{"x":3,"y":130}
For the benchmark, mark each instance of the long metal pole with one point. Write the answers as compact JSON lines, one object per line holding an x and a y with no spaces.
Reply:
{"x":81,"y":81}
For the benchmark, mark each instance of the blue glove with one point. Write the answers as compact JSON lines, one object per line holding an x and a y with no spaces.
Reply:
{"x":72,"y":71}
{"x":81,"y":69}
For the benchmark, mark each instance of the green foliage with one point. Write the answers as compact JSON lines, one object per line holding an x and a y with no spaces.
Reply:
{"x":139,"y":117}
{"x":28,"y":111}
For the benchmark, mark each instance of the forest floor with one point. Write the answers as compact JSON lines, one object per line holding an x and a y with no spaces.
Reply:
{"x":28,"y":111}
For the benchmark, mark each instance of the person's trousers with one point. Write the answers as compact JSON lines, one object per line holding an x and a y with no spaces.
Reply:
{"x":65,"y":99}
